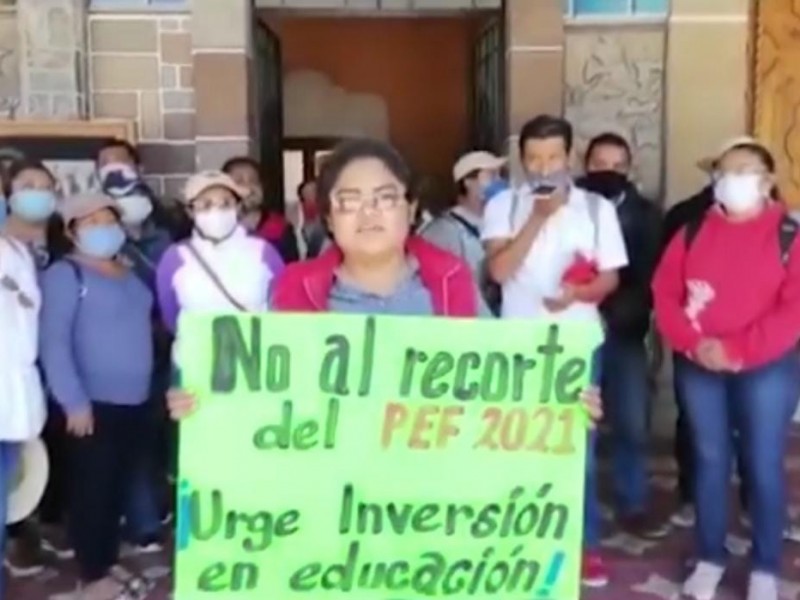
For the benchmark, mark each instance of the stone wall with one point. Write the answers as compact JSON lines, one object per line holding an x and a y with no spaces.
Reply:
{"x":141,"y":68}
{"x":52,"y":58}
{"x":10,"y":94}
{"x":615,"y":82}
{"x":708,"y":75}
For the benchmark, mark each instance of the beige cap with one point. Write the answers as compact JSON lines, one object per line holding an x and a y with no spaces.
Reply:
{"x":476,"y":161}
{"x":85,"y":204}
{"x":200,"y":182}
{"x":708,"y":163}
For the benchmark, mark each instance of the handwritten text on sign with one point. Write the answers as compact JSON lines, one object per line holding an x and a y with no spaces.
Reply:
{"x":370,"y":458}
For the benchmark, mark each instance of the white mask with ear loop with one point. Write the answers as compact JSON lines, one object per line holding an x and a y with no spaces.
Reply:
{"x":135,"y":209}
{"x":738,"y":192}
{"x":217,"y":223}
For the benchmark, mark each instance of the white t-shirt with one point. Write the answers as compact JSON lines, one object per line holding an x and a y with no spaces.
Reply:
{"x":566,"y":234}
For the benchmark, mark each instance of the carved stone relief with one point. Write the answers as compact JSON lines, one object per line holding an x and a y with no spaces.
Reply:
{"x":53,"y":56}
{"x":615,"y":82}
{"x":9,"y":65}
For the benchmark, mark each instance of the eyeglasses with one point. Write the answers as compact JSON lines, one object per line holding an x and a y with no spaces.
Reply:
{"x":350,"y":203}
{"x":10,"y":284}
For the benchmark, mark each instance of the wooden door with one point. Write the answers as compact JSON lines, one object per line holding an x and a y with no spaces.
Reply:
{"x":776,"y":93}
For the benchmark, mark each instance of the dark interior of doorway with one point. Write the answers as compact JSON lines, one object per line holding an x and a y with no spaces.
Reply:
{"x":487,"y":99}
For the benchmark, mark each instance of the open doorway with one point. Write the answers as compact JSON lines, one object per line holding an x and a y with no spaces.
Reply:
{"x":302,"y":158}
{"x":434,"y":87}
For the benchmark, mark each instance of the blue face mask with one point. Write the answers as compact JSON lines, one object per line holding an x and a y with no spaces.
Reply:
{"x":495,"y":187}
{"x":101,"y":241}
{"x":34,"y":206}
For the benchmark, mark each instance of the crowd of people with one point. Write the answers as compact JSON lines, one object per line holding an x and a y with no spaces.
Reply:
{"x":92,"y":288}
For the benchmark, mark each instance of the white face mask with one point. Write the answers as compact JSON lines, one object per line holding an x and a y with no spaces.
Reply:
{"x":217,"y":223}
{"x":738,"y":192}
{"x":134,"y":209}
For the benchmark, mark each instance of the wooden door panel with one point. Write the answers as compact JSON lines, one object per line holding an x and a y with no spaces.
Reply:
{"x":776,"y":118}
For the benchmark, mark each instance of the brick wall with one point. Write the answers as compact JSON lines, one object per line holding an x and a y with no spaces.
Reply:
{"x":140,"y":68}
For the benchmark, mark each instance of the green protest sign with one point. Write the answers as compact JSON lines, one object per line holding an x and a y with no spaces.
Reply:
{"x":381,"y":458}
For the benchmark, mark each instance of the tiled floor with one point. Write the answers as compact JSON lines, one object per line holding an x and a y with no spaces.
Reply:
{"x":640,"y":570}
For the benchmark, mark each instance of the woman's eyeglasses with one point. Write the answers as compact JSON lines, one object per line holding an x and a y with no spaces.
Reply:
{"x":352,"y":203}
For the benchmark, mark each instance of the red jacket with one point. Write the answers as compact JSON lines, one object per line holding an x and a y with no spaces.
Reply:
{"x":731,"y":285}
{"x":272,"y":227}
{"x":305,"y":286}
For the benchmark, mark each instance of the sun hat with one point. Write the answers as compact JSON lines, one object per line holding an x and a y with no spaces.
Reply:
{"x":709,"y":163}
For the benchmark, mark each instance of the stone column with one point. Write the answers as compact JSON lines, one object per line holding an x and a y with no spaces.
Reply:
{"x":53,"y":58}
{"x":707,"y":79}
{"x":534,"y":62}
{"x":222,"y":45}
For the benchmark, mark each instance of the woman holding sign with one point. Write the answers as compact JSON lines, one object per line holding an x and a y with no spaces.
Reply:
{"x":377,"y":265}
{"x":727,"y":299}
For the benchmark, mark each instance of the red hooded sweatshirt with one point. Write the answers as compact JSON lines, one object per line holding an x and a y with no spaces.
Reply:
{"x":305,"y":286}
{"x":731,"y":285}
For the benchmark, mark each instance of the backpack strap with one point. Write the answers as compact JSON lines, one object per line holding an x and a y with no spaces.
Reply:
{"x":471,"y":229}
{"x":692,"y":229}
{"x":514,"y":207}
{"x":787,"y":233}
{"x":78,"y":272}
{"x":594,"y":201}
{"x":211,"y":274}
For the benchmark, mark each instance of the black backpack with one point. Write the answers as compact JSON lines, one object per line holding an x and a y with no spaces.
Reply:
{"x":787,"y":232}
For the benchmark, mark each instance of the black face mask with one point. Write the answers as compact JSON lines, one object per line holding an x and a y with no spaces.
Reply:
{"x":609,"y":184}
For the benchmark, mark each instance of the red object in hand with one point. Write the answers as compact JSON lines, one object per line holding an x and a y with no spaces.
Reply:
{"x":581,"y":271}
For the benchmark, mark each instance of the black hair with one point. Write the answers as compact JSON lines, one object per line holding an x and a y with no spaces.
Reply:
{"x":607,"y":139}
{"x":357,"y":149}
{"x":119,"y":143}
{"x":544,"y":127}
{"x":18,"y":167}
{"x":461,"y":184}
{"x":760,"y":152}
{"x":301,"y":186}
{"x":58,"y":244}
{"x":241,"y":161}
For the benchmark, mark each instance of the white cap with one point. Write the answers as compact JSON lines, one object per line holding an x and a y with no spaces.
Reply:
{"x":476,"y":161}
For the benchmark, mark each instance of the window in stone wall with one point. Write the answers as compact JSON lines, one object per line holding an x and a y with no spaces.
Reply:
{"x":615,"y":8}
{"x":128,"y":4}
